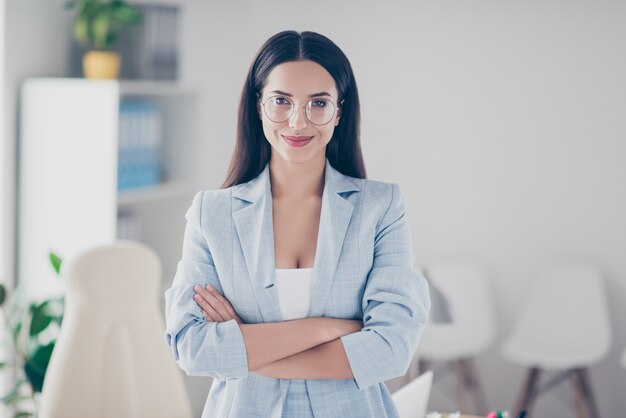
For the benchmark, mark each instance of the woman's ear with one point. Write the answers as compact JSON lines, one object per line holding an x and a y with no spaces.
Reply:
{"x":339,"y":112}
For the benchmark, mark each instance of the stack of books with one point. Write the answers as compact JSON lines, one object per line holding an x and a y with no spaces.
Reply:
{"x":150,"y":49}
{"x":140,"y":145}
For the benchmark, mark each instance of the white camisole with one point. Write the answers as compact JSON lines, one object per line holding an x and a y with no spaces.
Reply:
{"x":294,"y":290}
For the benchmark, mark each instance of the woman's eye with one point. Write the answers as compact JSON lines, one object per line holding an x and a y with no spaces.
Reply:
{"x":281,"y":101}
{"x":319,"y":103}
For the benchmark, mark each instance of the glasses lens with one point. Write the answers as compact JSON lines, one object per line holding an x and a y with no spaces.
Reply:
{"x":278,"y":109}
{"x":318,"y":111}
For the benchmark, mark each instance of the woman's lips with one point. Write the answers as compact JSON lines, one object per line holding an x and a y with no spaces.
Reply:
{"x":297,"y":141}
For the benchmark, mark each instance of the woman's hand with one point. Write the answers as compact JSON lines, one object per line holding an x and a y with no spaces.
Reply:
{"x":215,"y":307}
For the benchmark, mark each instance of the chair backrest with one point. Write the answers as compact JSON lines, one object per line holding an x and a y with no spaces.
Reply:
{"x":468,"y":296}
{"x":564,"y":321}
{"x":411,"y":400}
{"x":111,"y":358}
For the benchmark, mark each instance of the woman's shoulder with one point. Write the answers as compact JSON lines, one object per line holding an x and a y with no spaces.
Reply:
{"x":376,"y":190}
{"x":211,"y":199}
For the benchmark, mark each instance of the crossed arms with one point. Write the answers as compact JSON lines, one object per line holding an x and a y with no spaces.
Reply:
{"x":395,"y":306}
{"x":307,"y":348}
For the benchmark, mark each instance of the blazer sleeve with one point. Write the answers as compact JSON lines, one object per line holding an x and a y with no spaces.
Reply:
{"x":395,"y":303}
{"x":200,"y":347}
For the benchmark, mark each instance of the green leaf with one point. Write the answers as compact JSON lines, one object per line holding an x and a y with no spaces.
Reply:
{"x":81,"y":32}
{"x":21,"y":414}
{"x":55,"y":259}
{"x":16,"y":330}
{"x":40,"y":320}
{"x":70,"y":4}
{"x":100,"y":26}
{"x":35,"y":367}
{"x":14,"y":395}
{"x":32,"y":307}
{"x":125,"y":13}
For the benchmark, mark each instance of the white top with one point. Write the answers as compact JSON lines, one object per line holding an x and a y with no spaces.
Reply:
{"x":294,"y":290}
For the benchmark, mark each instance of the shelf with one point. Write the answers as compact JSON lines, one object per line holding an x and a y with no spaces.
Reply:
{"x":153,"y":88}
{"x":151,"y":193}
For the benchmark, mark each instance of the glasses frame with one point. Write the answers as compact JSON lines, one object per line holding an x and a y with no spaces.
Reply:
{"x":293,"y":109}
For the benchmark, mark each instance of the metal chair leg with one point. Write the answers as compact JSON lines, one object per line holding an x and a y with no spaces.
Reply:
{"x":527,"y":394}
{"x":473,"y":382}
{"x":585,"y":380}
{"x":579,"y":393}
{"x":462,"y":396}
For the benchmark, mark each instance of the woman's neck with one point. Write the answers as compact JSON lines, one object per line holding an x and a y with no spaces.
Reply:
{"x":297,"y":180}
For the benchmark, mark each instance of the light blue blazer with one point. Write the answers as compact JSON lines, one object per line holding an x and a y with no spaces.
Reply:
{"x":362,"y":270}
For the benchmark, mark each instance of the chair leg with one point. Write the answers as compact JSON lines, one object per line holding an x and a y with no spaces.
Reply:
{"x":473,"y":382}
{"x":579,"y":393}
{"x":461,"y":387}
{"x":585,"y":381}
{"x":527,"y":395}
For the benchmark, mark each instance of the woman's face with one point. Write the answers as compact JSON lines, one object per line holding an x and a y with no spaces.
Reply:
{"x":300,"y":81}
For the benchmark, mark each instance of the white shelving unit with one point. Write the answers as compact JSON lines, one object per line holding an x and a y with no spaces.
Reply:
{"x":68,"y":171}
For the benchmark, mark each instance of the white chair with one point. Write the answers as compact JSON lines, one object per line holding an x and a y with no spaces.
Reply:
{"x":411,"y":400}
{"x":563,"y":325}
{"x":110,"y":358}
{"x":471,"y":330}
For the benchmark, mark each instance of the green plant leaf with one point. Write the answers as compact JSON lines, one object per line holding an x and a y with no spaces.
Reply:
{"x":100,"y":27}
{"x":41,"y":319}
{"x":81,"y":29}
{"x":22,"y":414}
{"x":56,"y":262}
{"x":70,"y":4}
{"x":125,"y":13}
{"x":35,"y":367}
{"x":14,"y":395}
{"x":16,"y":330}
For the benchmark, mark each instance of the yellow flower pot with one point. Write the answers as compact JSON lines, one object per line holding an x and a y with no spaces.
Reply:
{"x":101,"y":65}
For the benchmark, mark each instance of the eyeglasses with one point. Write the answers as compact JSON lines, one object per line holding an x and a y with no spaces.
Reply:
{"x":280,"y":108}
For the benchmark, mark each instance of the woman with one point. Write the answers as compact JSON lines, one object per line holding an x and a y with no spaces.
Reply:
{"x":295,"y":290}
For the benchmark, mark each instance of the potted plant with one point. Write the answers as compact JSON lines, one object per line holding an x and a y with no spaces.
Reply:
{"x":31,"y":328}
{"x":96,"y":25}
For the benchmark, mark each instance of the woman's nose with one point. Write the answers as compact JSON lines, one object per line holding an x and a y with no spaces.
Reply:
{"x":298,"y":119}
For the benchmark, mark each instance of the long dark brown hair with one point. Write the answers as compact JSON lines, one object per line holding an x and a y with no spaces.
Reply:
{"x":252,"y":151}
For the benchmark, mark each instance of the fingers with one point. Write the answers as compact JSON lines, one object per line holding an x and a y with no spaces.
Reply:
{"x":207,"y":310}
{"x":224,"y":301}
{"x":214,"y":304}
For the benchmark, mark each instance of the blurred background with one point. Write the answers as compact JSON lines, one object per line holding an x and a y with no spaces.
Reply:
{"x":503,"y":123}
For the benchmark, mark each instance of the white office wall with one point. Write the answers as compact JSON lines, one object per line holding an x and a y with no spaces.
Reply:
{"x":502,"y":122}
{"x":36,"y":44}
{"x":33,"y":41}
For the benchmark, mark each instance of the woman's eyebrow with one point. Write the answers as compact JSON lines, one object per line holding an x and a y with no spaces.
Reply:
{"x":323,"y":93}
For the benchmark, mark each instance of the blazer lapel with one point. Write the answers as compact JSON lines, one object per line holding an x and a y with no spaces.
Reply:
{"x":252,"y":214}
